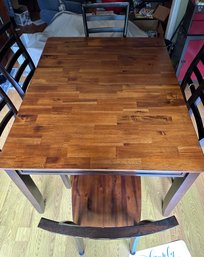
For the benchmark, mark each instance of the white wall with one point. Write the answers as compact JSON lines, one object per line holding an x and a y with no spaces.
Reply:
{"x":178,"y":9}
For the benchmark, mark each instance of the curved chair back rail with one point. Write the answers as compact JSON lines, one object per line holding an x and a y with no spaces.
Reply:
{"x":103,"y":17}
{"x":193,"y":90}
{"x":140,"y":229}
{"x":14,"y":56}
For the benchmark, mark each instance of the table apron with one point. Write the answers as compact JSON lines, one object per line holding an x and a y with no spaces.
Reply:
{"x":180,"y":184}
{"x":103,"y":172}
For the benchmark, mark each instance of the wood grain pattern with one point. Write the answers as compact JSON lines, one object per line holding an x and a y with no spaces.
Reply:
{"x":101,"y":104}
{"x":137,"y":230}
{"x":106,"y":201}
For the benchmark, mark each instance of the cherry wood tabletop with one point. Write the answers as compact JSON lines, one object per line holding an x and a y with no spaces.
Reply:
{"x":103,"y":103}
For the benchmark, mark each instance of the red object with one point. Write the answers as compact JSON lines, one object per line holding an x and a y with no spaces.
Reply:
{"x":115,"y":10}
{"x":192,"y":48}
{"x":190,"y":38}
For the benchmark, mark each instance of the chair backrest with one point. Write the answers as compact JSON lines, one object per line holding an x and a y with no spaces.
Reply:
{"x":16,"y":71}
{"x":141,"y":229}
{"x":16,"y":65}
{"x":99,"y":23}
{"x":106,"y":207}
{"x":192,"y":88}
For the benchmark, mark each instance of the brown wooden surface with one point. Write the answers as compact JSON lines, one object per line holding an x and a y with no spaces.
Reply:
{"x":106,"y":201}
{"x":136,"y":230}
{"x":108,"y":103}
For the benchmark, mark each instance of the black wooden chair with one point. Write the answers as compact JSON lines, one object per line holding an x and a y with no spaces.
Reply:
{"x":192,"y":87}
{"x":95,"y":23}
{"x":16,"y":65}
{"x":106,"y":207}
{"x":16,"y":71}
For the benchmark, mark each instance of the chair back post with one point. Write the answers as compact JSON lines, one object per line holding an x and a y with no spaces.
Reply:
{"x":86,"y":32}
{"x":126,"y":21}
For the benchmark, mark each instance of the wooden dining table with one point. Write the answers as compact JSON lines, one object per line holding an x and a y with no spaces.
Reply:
{"x":103,"y":106}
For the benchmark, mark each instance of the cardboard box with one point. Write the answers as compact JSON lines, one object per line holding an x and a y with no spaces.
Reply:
{"x":147,"y":25}
{"x":153,"y":27}
{"x":161,"y":13}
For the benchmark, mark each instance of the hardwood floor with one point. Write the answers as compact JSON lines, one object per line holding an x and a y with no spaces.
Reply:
{"x":20,"y":237}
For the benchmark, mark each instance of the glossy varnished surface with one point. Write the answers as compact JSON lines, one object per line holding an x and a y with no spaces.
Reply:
{"x":103,"y":104}
{"x":106,"y":201}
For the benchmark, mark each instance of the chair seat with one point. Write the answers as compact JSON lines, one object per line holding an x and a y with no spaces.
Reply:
{"x":106,"y":201}
{"x":106,"y":207}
